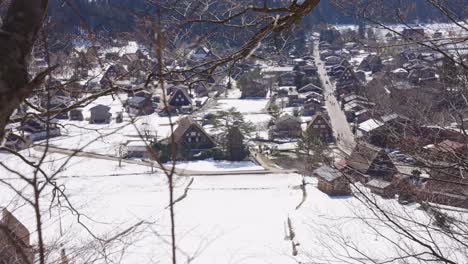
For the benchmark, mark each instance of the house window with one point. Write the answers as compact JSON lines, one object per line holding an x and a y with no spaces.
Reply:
{"x":322,"y":126}
{"x":316,"y":126}
{"x":193,"y":134}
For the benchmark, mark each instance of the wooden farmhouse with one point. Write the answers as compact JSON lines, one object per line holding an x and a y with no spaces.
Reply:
{"x":320,"y":127}
{"x":179,"y":97}
{"x":190,"y":139}
{"x":367,"y":162}
{"x":286,"y":126}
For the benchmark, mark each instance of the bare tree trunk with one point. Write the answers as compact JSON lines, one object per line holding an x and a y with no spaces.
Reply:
{"x":37,"y":210}
{"x":18,"y":33}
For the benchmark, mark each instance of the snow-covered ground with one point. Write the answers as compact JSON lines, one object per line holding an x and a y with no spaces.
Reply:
{"x":346,"y":230}
{"x":234,"y":92}
{"x":257,"y":118}
{"x":289,"y":146}
{"x":253,"y":110}
{"x":106,"y":138}
{"x":218,"y":165}
{"x":245,"y":106}
{"x":228,"y":219}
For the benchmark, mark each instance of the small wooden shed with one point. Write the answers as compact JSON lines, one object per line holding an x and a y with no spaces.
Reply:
{"x":332,"y":182}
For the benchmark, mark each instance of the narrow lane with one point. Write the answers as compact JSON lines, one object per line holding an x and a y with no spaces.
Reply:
{"x":341,"y":129}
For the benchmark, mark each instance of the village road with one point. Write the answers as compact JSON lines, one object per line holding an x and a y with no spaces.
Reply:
{"x":341,"y":130}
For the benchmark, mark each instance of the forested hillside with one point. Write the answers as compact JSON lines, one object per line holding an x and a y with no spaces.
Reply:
{"x":119,"y":15}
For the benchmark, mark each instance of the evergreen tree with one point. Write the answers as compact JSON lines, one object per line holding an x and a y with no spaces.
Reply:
{"x":235,"y":147}
{"x":224,"y":121}
{"x":311,"y":150}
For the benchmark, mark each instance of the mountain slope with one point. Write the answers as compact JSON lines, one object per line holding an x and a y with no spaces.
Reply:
{"x":119,"y":15}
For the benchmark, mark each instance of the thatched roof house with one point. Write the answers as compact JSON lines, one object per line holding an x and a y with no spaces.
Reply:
{"x":190,"y":138}
{"x":368,"y":161}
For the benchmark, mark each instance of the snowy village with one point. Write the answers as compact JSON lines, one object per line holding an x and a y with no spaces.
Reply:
{"x":343,"y":143}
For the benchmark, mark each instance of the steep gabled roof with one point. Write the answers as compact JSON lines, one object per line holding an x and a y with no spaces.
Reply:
{"x":363,"y":156}
{"x":316,"y":116}
{"x":310,"y":87}
{"x":183,"y":125}
{"x":179,"y":90}
{"x":117,"y":68}
{"x":350,"y":70}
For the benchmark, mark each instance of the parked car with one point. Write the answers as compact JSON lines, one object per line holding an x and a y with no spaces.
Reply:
{"x":401,"y":157}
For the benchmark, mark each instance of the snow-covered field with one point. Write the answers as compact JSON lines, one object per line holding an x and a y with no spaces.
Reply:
{"x":106,"y":138}
{"x":253,"y":110}
{"x":221,"y":166}
{"x":258,"y":118}
{"x":228,"y":219}
{"x":245,"y":106}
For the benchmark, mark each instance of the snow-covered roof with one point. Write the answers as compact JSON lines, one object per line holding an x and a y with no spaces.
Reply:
{"x":131,"y":47}
{"x":327,"y":173}
{"x":287,"y":146}
{"x":370,"y":125}
{"x":278,"y":69}
{"x":400,"y":70}
{"x":137,"y":143}
{"x":378,"y":184}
